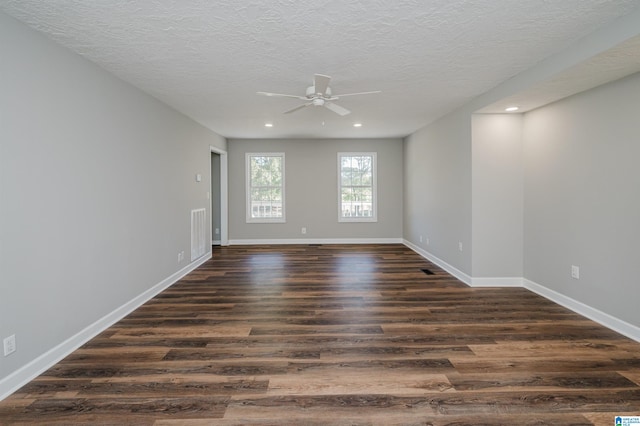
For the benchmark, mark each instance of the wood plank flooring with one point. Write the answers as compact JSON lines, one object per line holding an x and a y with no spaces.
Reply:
{"x":345,"y":335}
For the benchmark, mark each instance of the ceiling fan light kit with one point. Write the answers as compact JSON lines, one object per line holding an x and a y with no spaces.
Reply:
{"x":319,"y":95}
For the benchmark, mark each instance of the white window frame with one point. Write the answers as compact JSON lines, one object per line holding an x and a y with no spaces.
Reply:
{"x":374,"y":187}
{"x":249,"y":217}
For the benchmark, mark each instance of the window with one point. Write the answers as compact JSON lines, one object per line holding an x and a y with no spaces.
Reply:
{"x":357,"y":186}
{"x":265,"y":187}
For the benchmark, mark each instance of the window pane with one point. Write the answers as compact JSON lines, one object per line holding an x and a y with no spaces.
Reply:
{"x":345,"y":162}
{"x":345,"y":177}
{"x":367,"y":179}
{"x":265,"y":194}
{"x":276,"y":194}
{"x":265,"y":186}
{"x":366,"y":194}
{"x":347,"y":195}
{"x":255,"y":172}
{"x":355,"y":163}
{"x":357,"y":194}
{"x":356,"y":186}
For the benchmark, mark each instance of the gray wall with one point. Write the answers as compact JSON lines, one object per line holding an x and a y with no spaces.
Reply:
{"x":548,"y":189}
{"x":582,"y":208}
{"x":438,"y":158}
{"x":497,"y":199}
{"x":312,"y":189}
{"x":97,"y":181}
{"x":437,"y":189}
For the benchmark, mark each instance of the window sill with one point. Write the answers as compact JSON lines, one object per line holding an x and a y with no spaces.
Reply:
{"x":359,"y":219}
{"x":266,"y":220}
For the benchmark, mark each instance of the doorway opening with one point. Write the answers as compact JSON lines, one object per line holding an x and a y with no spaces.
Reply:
{"x":219,"y":215}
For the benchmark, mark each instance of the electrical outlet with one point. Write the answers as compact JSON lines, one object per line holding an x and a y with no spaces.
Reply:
{"x":420,"y":238}
{"x":575,"y":272}
{"x":304,"y":230}
{"x":9,"y":345}
{"x":460,"y":246}
{"x":217,"y":231}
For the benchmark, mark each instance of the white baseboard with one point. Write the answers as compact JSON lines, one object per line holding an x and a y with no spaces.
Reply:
{"x":611,"y":322}
{"x":33,"y":369}
{"x":441,"y":263}
{"x":239,"y":242}
{"x":216,"y":242}
{"x":629,"y":330}
{"x":496,"y":282}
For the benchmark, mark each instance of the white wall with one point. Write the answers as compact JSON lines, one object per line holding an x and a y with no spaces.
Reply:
{"x":312,"y":190}
{"x":497,"y":197}
{"x":96,"y":186}
{"x":581,"y":197}
{"x":437,"y":189}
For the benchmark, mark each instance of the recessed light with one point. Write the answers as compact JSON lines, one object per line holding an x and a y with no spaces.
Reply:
{"x":357,"y":124}
{"x":511,"y":109}
{"x":268,"y":124}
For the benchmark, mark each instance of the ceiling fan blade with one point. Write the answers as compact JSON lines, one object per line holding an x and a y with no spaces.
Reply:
{"x":297,"y":108}
{"x":321,"y":83}
{"x":337,"y":108}
{"x":359,"y":93}
{"x":280,"y":95}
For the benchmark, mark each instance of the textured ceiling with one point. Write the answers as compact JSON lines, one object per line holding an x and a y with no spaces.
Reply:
{"x":209,"y":58}
{"x":613,"y":64}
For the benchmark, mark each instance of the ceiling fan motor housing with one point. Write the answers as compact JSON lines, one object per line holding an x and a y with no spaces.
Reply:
{"x":311,"y":93}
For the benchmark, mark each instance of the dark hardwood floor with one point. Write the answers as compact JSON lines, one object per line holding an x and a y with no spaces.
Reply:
{"x":347,"y":335}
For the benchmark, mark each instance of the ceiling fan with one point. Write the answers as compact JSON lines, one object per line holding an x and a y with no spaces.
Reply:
{"x":319,"y":95}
